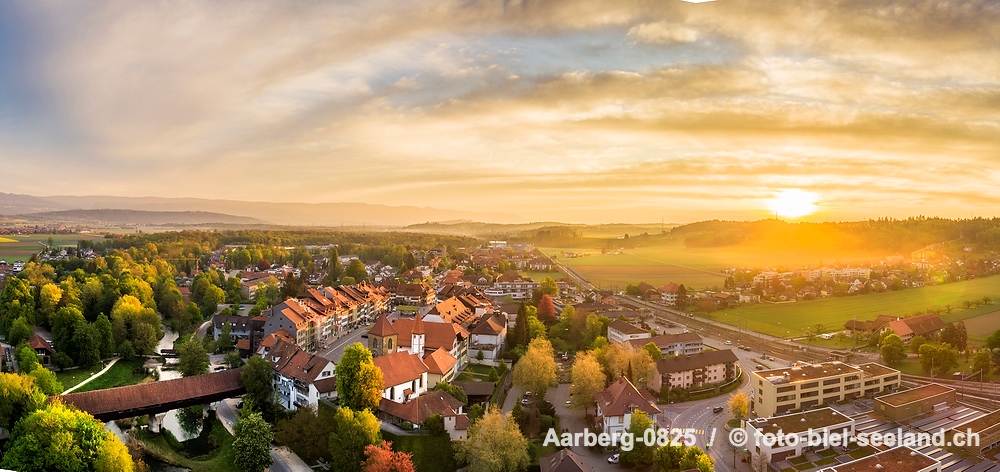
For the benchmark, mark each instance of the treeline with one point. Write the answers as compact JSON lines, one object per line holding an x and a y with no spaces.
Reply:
{"x":883,"y":234}
{"x":290,"y":238}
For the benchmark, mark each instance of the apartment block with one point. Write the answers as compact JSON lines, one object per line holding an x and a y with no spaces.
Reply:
{"x":803,"y":386}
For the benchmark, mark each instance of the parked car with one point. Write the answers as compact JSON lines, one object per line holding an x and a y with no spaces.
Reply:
{"x":239,"y":405}
{"x":759,"y":367}
{"x":525,"y":401}
{"x":364,"y":336}
{"x":613,"y":459}
{"x":729,"y":343}
{"x":717,"y":409}
{"x":220,"y":367}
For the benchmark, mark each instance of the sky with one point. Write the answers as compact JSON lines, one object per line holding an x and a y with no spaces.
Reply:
{"x":577,"y":111}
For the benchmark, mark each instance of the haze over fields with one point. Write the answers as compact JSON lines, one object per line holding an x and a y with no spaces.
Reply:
{"x":583,"y":111}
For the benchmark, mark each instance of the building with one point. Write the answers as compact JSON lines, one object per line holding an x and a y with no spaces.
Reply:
{"x":988,"y":429}
{"x":916,"y":401}
{"x":382,"y":337}
{"x":488,"y":337}
{"x":924,"y":325}
{"x":440,"y":366}
{"x":419,"y":294}
{"x":240,"y":327}
{"x":301,"y":379}
{"x":42,"y":348}
{"x":878,"y":379}
{"x":822,"y":421}
{"x":680,"y":344}
{"x":777,"y":391}
{"x":417,"y":410}
{"x":297,"y":319}
{"x":620,"y":332}
{"x":403,"y":374}
{"x":696,"y":370}
{"x":668,"y":293}
{"x":898,"y":459}
{"x":616,"y":404}
{"x":564,"y":460}
{"x":451,"y":310}
{"x":419,"y":337}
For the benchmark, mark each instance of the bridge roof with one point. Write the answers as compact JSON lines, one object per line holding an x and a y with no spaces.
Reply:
{"x":140,"y":398}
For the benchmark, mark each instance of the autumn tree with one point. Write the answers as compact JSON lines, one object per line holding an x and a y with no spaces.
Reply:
{"x":359,"y":381}
{"x":739,"y":405}
{"x":588,"y":379}
{"x":381,"y":458}
{"x":309,"y":431}
{"x":354,"y":431}
{"x":356,"y":270}
{"x":20,"y":397}
{"x":252,"y":442}
{"x":548,"y":286}
{"x":63,"y":438}
{"x":642,"y":454}
{"x":46,"y":381}
{"x":624,"y":360}
{"x":17,"y":300}
{"x":653,"y":350}
{"x":495,"y":444}
{"x":536,"y":371}
{"x":546,"y":310}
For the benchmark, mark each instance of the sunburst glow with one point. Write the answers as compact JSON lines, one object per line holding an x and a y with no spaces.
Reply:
{"x":794,"y":203}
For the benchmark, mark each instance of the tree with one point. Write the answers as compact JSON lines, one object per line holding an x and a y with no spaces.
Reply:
{"x":993,"y":341}
{"x":681,"y":297}
{"x":20,"y":397}
{"x":476,"y":413}
{"x":20,"y":331}
{"x":982,"y":361}
{"x":252,"y":442}
{"x":892,"y":349}
{"x":257,"y":376}
{"x":381,"y":458}
{"x":642,"y":454}
{"x":102,"y":327}
{"x":653,"y":351}
{"x":48,"y":300}
{"x":356,"y":270}
{"x":210,"y":302}
{"x":226,"y":338}
{"x":546,"y":310}
{"x":587,"y":380}
{"x":126,"y":351}
{"x":548,"y":286}
{"x":536,"y":371}
{"x":347,"y":281}
{"x":624,"y":360}
{"x":353,"y":432}
{"x":453,"y":390}
{"x":359,"y":382}
{"x":434,"y":424}
{"x":233,"y":360}
{"x":16,"y":301}
{"x":192,"y":358}
{"x":86,"y":344}
{"x":938,"y":360}
{"x":739,"y":404}
{"x":145,"y":337}
{"x":927,"y":353}
{"x":27,"y":359}
{"x":495,"y":444}
{"x":62,"y":438}
{"x":309,"y":431}
{"x":46,"y":381}
{"x":916,"y":342}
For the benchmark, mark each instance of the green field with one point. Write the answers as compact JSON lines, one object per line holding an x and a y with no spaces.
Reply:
{"x":119,"y":375}
{"x":694,"y":267}
{"x":21,"y":248}
{"x":792,"y":319}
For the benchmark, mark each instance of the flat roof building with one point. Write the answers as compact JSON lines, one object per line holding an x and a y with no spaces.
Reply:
{"x":803,"y":386}
{"x":899,"y":459}
{"x":915,"y":401}
{"x":821,"y":421}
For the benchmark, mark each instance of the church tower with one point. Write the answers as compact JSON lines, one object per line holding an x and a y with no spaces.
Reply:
{"x":383,"y":338}
{"x":418,"y":337}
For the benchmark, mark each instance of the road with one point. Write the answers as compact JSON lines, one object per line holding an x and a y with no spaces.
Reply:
{"x":335,"y":350}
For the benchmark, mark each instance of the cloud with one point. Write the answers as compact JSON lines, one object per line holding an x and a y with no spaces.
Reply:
{"x":663,"y":33}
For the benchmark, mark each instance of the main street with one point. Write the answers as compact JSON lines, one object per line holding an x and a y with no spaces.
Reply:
{"x":335,"y":349}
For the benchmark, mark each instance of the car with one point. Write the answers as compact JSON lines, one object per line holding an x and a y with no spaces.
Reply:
{"x":685,"y":331}
{"x":613,"y":459}
{"x":717,"y":409}
{"x":565,"y":357}
{"x":239,"y":405}
{"x":759,"y":367}
{"x":525,"y":401}
{"x":364,"y":336}
{"x":729,"y":343}
{"x":567,"y":402}
{"x":241,"y":308}
{"x":220,"y":367}
{"x":527,"y":394}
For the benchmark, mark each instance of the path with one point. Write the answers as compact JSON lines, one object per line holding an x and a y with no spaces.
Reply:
{"x":92,"y":377}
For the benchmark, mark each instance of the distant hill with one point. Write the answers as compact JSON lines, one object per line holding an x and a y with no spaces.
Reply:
{"x":139,"y":217}
{"x":290,"y":214}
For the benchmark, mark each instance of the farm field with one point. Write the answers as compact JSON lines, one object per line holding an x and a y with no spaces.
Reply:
{"x":694,"y":267}
{"x":980,"y":327}
{"x":792,"y":319}
{"x":21,"y":248}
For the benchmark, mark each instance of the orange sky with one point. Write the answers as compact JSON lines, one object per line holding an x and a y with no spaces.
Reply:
{"x":577,"y":111}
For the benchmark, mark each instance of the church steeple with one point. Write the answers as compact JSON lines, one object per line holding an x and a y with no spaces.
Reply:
{"x":418,"y":336}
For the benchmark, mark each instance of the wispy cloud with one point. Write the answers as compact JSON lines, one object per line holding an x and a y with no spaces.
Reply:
{"x":590,"y":110}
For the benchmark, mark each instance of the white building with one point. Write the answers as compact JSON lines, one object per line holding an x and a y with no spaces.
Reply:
{"x":620,"y":332}
{"x":404,"y":376}
{"x":823,"y":421}
{"x":301,"y":379}
{"x":617,"y":403}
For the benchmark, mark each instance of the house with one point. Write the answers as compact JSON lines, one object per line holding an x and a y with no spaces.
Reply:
{"x":488,"y":337}
{"x":419,"y":337}
{"x":620,"y":331}
{"x":924,"y":325}
{"x":451,"y":311}
{"x":271,"y":340}
{"x":478,"y":392}
{"x":668,"y":293}
{"x":440,"y":366}
{"x":42,"y":348}
{"x":540,"y":264}
{"x":403,"y":374}
{"x":869,"y":326}
{"x":301,"y":379}
{"x":648,"y":292}
{"x":417,"y":410}
{"x":679,"y":344}
{"x":695,"y":370}
{"x":916,"y":401}
{"x":616,"y":404}
{"x":239,"y":326}
{"x":418,"y":294}
{"x":565,"y":460}
{"x":297,"y":319}
{"x":383,"y":338}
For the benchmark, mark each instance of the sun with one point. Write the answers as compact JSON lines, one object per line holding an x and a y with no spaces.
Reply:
{"x":793,"y":203}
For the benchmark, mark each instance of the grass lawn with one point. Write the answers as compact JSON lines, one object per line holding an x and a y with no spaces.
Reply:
{"x":540,"y":276}
{"x":912,"y":367}
{"x":792,"y":319}
{"x":218,"y":460}
{"x":119,"y":375}
{"x":832,"y":343}
{"x":69,"y":378}
{"x":537,"y":451}
{"x":430,"y":453}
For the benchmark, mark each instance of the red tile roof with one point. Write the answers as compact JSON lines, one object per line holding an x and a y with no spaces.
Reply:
{"x":453,"y":311}
{"x":621,"y":396}
{"x":417,"y":411}
{"x":382,"y":328}
{"x":488,"y":326}
{"x":38,"y":342}
{"x":400,"y":367}
{"x":437,"y":334}
{"x":292,"y":362}
{"x":138,"y":397}
{"x":273,"y":338}
{"x":440,"y":362}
